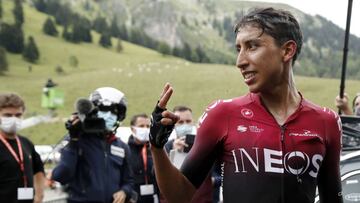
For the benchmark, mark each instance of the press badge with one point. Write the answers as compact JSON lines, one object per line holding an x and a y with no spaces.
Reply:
{"x":25,"y":193}
{"x":147,"y":189}
{"x":117,"y":151}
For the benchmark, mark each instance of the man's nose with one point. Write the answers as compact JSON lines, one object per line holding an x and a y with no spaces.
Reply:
{"x":241,"y":61}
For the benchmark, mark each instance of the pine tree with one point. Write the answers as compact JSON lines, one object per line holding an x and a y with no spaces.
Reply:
{"x":119,"y":46}
{"x":164,"y":48}
{"x":1,"y":9}
{"x":18,"y":12}
{"x":12,"y":38}
{"x":177,"y":52}
{"x":187,"y":52}
{"x":100,"y":25}
{"x":114,"y":29}
{"x":40,"y":5}
{"x":123,"y":33}
{"x":3,"y":61}
{"x":49,"y":27}
{"x":73,"y":61}
{"x":31,"y":52}
{"x":105,"y":40}
{"x":201,"y":55}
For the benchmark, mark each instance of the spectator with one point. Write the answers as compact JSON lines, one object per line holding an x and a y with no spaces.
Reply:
{"x":95,"y":164}
{"x":21,"y":169}
{"x":141,"y":160}
{"x":343,"y":105}
{"x":209,"y":190}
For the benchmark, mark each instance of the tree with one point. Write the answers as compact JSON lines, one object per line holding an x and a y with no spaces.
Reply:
{"x":12,"y":38}
{"x":114,"y":29}
{"x":1,"y":9}
{"x":202,"y":55}
{"x":187,"y":52}
{"x":105,"y":40}
{"x":74,"y":62}
{"x":119,"y":46}
{"x":3,"y":61}
{"x":49,"y":27}
{"x":164,"y":48}
{"x":31,"y":52}
{"x":40,"y":5}
{"x":100,"y":25}
{"x":18,"y":12}
{"x":123,"y":33}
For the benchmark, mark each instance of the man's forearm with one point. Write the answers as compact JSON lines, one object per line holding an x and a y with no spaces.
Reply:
{"x":39,"y":182}
{"x":172,"y":183}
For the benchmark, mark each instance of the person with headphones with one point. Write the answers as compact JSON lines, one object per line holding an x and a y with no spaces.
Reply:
{"x":95,"y":164}
{"x":343,"y":105}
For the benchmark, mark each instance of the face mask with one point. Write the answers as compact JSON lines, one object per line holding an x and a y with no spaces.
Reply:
{"x":183,"y":129}
{"x":142,"y":134}
{"x":109,"y":118}
{"x":357,"y":111}
{"x":10,"y":124}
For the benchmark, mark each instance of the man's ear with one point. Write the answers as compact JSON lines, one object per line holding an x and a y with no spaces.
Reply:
{"x":289,"y":50}
{"x":132,"y":129}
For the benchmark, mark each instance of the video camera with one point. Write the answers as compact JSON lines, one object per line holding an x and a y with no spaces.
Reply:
{"x":90,"y":123}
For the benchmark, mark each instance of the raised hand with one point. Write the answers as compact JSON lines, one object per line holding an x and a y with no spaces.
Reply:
{"x":162,"y":121}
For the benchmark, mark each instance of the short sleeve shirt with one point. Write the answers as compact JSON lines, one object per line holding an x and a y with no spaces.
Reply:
{"x":262,"y":161}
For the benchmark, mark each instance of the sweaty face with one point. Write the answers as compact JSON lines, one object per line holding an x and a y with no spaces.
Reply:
{"x":259,"y":60}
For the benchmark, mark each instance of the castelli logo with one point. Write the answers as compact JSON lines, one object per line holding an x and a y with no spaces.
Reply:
{"x":247,"y":113}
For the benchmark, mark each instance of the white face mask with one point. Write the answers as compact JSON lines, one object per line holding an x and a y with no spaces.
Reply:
{"x":10,"y":124}
{"x":142,"y":134}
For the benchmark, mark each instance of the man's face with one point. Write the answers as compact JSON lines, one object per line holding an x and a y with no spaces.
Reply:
{"x":141,"y":122}
{"x":259,"y":59}
{"x":11,"y":111}
{"x":185,"y":117}
{"x":141,"y":129}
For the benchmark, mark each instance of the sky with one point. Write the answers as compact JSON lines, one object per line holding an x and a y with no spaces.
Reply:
{"x":333,"y":10}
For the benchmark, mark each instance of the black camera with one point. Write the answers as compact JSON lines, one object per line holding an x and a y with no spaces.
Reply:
{"x":87,"y":113}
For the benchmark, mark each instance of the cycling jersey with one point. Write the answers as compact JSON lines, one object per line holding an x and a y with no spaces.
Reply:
{"x":264,"y":162}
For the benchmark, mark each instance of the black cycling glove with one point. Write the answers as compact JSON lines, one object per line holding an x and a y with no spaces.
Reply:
{"x":159,"y":133}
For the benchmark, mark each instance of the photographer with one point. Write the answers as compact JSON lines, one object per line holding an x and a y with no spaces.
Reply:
{"x":95,"y":163}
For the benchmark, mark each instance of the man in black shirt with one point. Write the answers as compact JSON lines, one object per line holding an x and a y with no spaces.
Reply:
{"x":141,"y":160}
{"x":21,"y":169}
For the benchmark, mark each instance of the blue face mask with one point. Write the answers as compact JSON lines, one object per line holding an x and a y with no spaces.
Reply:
{"x":183,"y":129}
{"x":109,"y":118}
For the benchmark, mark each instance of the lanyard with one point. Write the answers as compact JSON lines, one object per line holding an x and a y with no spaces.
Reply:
{"x":19,"y":160}
{"x":144,"y":157}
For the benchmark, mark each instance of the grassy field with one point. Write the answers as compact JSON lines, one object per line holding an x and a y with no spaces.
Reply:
{"x":139,"y":72}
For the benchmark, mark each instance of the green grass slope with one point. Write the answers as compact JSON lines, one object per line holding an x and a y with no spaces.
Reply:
{"x":139,"y":72}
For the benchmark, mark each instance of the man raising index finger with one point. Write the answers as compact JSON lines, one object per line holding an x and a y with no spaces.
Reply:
{"x":275,"y":146}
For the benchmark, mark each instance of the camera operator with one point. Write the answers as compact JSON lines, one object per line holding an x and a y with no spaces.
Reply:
{"x":95,"y":163}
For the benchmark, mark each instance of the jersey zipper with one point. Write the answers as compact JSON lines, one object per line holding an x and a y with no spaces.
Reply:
{"x":282,"y":139}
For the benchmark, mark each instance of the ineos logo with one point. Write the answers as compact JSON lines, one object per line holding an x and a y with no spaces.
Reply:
{"x":305,"y":164}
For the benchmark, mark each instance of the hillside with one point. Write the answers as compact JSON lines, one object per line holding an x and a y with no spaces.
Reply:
{"x":209,"y":23}
{"x":139,"y":72}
